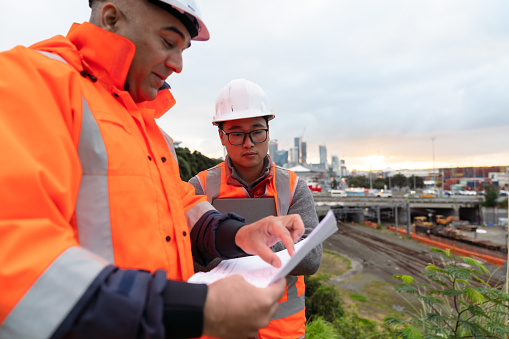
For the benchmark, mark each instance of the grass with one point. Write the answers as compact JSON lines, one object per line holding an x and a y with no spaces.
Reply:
{"x":363,"y":293}
{"x":357,"y":297}
{"x":334,"y":264}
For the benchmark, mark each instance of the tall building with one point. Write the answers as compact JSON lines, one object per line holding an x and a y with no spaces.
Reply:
{"x":303,"y":153}
{"x":273,"y":151}
{"x":294,"y":157}
{"x":343,"y":171}
{"x":282,"y":158}
{"x":323,"y":156}
{"x":335,"y":164}
{"x":296,"y":144}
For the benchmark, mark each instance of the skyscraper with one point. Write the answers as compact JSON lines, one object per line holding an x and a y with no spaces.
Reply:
{"x":296,"y":144}
{"x":273,"y":151}
{"x":304,"y":153}
{"x":323,"y":156}
{"x":282,"y":158}
{"x":335,"y":164}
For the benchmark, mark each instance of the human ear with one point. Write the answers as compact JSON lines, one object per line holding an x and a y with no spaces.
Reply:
{"x":221,"y":136}
{"x":110,"y":15}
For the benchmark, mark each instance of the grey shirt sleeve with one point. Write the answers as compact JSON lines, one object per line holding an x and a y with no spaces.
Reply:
{"x":304,"y":205}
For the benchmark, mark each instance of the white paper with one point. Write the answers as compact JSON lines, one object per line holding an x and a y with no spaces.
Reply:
{"x":261,"y":274}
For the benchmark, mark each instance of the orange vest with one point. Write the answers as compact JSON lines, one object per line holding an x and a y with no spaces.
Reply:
{"x":91,"y":179}
{"x":289,"y":321}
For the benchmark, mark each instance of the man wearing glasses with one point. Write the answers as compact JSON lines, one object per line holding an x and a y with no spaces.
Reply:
{"x":248,"y":183}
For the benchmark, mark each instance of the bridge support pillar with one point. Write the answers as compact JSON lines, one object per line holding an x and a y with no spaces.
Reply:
{"x":408,"y":220}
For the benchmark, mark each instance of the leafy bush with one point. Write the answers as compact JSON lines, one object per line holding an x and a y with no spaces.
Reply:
{"x":321,"y":329}
{"x":192,"y":163}
{"x":502,"y":203}
{"x":322,"y":300}
{"x":456,"y":303}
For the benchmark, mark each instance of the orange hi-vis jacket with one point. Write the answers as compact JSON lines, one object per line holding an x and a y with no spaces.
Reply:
{"x":87,"y":179}
{"x":289,"y":322}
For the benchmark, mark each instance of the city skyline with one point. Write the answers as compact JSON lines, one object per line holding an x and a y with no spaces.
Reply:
{"x":376,"y":163}
{"x":374,"y":81}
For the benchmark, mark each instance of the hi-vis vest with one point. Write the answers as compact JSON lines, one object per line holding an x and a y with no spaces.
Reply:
{"x":289,"y":321}
{"x":129,"y":213}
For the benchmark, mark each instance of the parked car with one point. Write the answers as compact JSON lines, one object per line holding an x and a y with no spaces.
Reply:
{"x":411,"y":195}
{"x":448,"y":193}
{"x":315,"y":187}
{"x":338,"y":193}
{"x":384,"y":194}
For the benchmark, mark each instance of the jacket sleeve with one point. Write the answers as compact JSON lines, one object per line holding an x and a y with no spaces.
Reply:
{"x":195,"y":206}
{"x":54,"y":285}
{"x":130,"y":304}
{"x":39,"y":181}
{"x":304,"y":205}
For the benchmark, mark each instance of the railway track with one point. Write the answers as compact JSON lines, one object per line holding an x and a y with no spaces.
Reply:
{"x":385,"y":254}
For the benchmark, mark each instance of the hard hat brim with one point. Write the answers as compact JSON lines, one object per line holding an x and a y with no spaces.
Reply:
{"x":243,"y":115}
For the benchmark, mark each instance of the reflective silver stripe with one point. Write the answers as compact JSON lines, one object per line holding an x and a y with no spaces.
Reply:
{"x":213,"y":183}
{"x":283,"y":190}
{"x":50,"y":299}
{"x":201,"y":183}
{"x":169,"y":142}
{"x":92,"y":207}
{"x":294,"y":302}
{"x":53,"y":56}
{"x":295,"y":186}
{"x":196,"y":212}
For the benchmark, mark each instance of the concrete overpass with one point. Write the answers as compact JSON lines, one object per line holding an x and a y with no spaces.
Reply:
{"x":397,"y":210}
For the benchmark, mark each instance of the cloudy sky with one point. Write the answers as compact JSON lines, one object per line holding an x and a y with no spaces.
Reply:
{"x":380,"y":83}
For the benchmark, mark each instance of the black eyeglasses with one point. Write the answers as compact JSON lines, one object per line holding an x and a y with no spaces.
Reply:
{"x":238,"y":138}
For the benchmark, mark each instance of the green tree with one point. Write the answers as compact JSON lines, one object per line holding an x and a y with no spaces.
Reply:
{"x":192,"y":163}
{"x":419,"y":182}
{"x":358,"y":181}
{"x":490,"y":196}
{"x":379,"y":183}
{"x":399,"y":180}
{"x":456,"y":302}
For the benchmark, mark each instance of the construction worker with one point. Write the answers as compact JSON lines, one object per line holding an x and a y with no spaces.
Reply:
{"x":97,"y":231}
{"x":248,"y":183}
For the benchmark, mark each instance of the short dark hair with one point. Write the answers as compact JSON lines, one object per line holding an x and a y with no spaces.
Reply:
{"x":188,"y":21}
{"x":221,"y":123}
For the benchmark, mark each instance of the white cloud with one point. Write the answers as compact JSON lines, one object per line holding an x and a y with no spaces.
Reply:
{"x":360,"y":76}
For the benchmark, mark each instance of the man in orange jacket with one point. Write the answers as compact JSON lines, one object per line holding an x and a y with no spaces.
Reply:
{"x":97,"y":231}
{"x":248,"y":183}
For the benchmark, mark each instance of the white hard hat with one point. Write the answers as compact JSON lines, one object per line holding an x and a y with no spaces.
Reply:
{"x":241,"y":99}
{"x":186,"y":11}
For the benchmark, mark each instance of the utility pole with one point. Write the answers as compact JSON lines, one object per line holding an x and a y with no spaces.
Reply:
{"x":433,"y":152}
{"x":370,"y":180}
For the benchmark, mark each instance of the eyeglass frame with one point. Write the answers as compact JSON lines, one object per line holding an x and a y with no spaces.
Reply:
{"x":246,"y":134}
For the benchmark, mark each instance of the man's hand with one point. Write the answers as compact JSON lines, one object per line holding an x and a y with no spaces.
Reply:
{"x":256,"y":238}
{"x":235,"y":309}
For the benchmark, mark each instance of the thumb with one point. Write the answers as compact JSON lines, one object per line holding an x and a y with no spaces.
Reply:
{"x":277,"y":289}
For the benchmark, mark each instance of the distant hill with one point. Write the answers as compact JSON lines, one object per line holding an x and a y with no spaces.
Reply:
{"x":192,"y":163}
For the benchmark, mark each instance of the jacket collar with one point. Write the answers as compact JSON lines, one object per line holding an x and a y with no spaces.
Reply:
{"x":105,"y":55}
{"x":258,"y":188}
